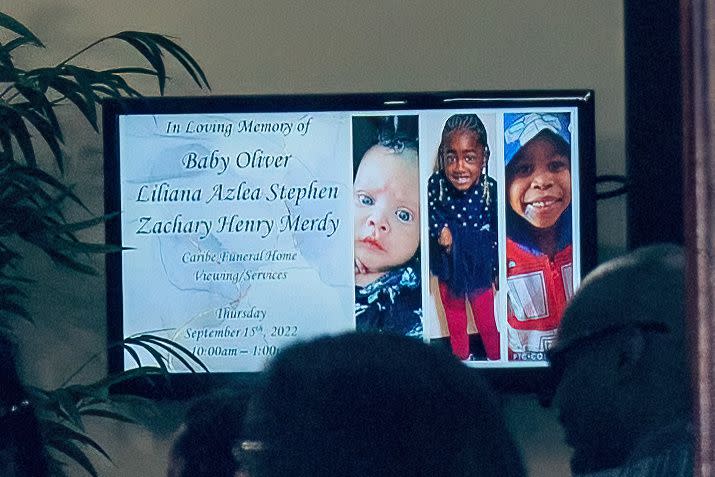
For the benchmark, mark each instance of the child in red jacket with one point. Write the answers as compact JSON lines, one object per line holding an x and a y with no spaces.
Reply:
{"x":539,"y":251}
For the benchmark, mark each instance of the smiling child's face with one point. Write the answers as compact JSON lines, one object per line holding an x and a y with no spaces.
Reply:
{"x":463,"y":159}
{"x":539,"y":187}
{"x":387,"y":221}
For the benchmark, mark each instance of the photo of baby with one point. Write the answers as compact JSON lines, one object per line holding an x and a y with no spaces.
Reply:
{"x":463,"y":234}
{"x":539,"y":253}
{"x":387,"y":225}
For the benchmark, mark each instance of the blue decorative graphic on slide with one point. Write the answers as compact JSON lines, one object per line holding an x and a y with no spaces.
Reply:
{"x":238,"y":231}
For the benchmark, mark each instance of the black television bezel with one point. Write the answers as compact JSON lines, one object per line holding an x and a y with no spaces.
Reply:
{"x":512,"y":379}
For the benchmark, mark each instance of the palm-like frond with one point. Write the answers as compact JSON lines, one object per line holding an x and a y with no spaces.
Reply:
{"x":61,"y":412}
{"x":161,"y":349}
{"x":30,"y":97}
{"x":33,"y":200}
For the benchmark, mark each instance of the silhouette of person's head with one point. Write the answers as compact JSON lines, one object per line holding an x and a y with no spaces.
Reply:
{"x":620,"y":361}
{"x":205,"y":443}
{"x":362,"y":405}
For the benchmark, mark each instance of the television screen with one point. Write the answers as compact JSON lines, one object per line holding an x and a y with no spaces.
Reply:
{"x":249,"y":222}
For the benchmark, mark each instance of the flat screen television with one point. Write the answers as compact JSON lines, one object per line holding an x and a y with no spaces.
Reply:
{"x":465,"y":219}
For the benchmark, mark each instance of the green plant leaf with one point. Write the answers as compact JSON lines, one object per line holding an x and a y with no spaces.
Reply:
{"x":61,"y":431}
{"x":49,"y":409}
{"x":85,"y":224}
{"x":172,"y":352}
{"x":9,"y":23}
{"x":189,"y":64}
{"x":69,"y":262}
{"x":120,"y":87}
{"x":159,"y":358}
{"x":82,"y":394}
{"x":12,"y":123}
{"x":72,"y":451}
{"x":33,"y":203}
{"x":34,"y":91}
{"x":70,"y":90}
{"x":56,"y":467}
{"x":51,"y":134}
{"x":106,"y":414}
{"x":149,"y":45}
{"x":68,"y":406}
{"x":106,"y":91}
{"x":83,"y":78}
{"x":98,"y":392}
{"x":74,"y":246}
{"x":149,"y":50}
{"x":172,"y":347}
{"x":132,"y":70}
{"x":62,"y":439}
{"x":32,"y":177}
{"x":132,"y":353}
{"x":134,"y":373}
{"x":6,"y":154}
{"x":8,"y":71}
{"x":11,"y":45}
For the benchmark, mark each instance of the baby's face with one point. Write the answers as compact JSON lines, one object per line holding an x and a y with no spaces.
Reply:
{"x":540,"y":186}
{"x":463,"y":159}
{"x":387,"y":221}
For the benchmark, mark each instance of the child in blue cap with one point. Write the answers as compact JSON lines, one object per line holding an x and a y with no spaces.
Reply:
{"x":537,"y":156}
{"x":463,"y":232}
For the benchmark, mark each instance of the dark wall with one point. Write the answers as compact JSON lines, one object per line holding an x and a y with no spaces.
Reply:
{"x":653,"y":121}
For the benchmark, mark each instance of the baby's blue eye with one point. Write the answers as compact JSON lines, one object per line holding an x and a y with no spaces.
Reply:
{"x":404,"y":215}
{"x":365,"y":199}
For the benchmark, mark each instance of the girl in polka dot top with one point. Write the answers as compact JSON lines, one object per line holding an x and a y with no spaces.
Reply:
{"x":463,"y":233}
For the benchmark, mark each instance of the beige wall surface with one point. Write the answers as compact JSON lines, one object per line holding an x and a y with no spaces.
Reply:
{"x":319,"y":47}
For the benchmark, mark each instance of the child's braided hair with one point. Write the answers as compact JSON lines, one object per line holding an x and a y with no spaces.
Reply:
{"x":468,"y":123}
